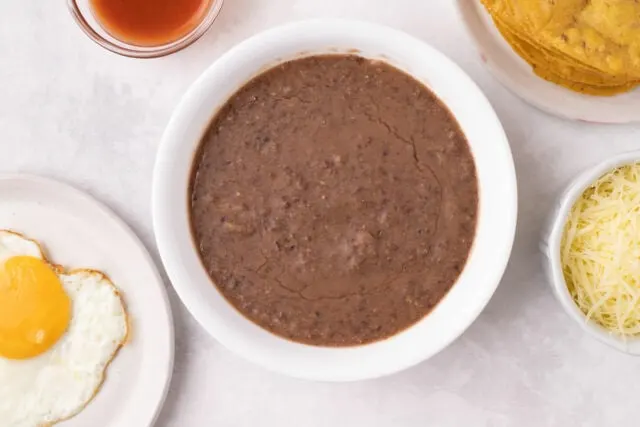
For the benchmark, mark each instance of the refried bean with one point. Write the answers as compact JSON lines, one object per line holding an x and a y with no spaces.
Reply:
{"x":334,"y":200}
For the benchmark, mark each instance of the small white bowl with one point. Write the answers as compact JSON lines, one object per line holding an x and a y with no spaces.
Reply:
{"x":552,"y":239}
{"x":496,"y":218}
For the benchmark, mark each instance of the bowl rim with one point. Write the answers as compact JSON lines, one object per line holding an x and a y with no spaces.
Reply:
{"x":373,"y":360}
{"x":145,"y":52}
{"x":552,"y":250}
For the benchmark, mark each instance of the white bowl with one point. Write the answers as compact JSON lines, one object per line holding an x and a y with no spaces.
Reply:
{"x":496,"y":219}
{"x":517,"y":75}
{"x":551,"y":242}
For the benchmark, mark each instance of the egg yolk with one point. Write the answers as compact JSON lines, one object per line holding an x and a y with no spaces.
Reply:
{"x":34,"y":309}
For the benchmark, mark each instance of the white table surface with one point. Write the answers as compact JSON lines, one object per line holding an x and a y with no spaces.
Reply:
{"x":73,"y":111}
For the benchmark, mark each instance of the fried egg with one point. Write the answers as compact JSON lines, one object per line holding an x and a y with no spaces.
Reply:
{"x":58,"y":333}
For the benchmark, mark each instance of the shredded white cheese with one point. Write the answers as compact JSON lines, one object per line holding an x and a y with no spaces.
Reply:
{"x":601,"y":251}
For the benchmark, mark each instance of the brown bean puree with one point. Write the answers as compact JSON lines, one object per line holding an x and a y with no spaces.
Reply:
{"x":334,"y":200}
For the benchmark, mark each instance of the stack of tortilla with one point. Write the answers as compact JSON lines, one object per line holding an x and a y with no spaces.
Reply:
{"x":589,"y":46}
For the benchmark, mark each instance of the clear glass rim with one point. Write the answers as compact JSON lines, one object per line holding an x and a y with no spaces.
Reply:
{"x":133,"y":51}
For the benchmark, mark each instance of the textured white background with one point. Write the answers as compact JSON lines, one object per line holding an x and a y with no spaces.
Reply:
{"x":72,"y":111}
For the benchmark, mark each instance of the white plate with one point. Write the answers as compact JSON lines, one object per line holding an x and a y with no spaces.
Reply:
{"x":496,"y":216}
{"x":76,"y":231}
{"x":516,"y":74}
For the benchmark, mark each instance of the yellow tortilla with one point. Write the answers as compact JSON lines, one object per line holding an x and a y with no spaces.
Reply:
{"x":590,"y":46}
{"x":583,"y":80}
{"x":546,"y":57}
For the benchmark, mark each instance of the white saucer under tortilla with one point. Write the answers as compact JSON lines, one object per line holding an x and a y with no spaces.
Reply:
{"x":77,"y":231}
{"x":515,"y":74}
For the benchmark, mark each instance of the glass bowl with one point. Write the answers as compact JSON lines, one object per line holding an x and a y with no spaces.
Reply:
{"x":83,"y":15}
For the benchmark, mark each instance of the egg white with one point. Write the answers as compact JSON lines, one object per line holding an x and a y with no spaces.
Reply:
{"x":14,"y":244}
{"x":60,"y":382}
